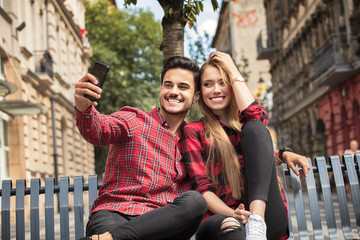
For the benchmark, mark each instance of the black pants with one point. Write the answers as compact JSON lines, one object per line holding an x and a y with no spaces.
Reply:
{"x":261,"y":184}
{"x":177,"y":220}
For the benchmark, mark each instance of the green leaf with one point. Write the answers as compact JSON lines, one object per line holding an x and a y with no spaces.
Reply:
{"x":215,"y":4}
{"x":199,"y":7}
{"x":128,"y":2}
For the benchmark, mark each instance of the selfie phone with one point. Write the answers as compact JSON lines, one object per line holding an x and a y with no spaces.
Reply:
{"x":100,"y":71}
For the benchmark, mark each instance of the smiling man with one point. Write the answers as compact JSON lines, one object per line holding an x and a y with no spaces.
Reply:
{"x":145,"y":194}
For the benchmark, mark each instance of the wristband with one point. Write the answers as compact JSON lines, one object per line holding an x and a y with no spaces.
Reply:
{"x":238,"y":78}
{"x":281,"y":151}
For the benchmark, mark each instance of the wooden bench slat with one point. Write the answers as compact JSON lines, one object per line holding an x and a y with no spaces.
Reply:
{"x":326,"y":191}
{"x":78,"y":207}
{"x":290,"y":227}
{"x":5,"y":209}
{"x":49,"y":208}
{"x":354,"y":185}
{"x":20,"y":209}
{"x":314,"y":204}
{"x":281,"y":173}
{"x":340,"y":189}
{"x":93,"y":186}
{"x":34,"y":208}
{"x":312,"y":187}
{"x":299,"y":206}
{"x":357,"y":198}
{"x":64,"y":207}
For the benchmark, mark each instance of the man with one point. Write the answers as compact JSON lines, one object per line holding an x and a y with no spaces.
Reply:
{"x":142,"y":196}
{"x":145,"y":192}
{"x":354,"y":147}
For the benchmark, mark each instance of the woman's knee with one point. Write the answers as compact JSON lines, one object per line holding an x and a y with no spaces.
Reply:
{"x":231,"y":225}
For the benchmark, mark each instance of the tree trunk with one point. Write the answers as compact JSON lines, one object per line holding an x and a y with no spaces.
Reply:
{"x":173,"y":24}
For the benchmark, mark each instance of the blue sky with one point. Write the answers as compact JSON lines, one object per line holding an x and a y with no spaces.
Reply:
{"x":206,"y":21}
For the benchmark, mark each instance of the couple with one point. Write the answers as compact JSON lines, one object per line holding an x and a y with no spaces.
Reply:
{"x":154,"y":160}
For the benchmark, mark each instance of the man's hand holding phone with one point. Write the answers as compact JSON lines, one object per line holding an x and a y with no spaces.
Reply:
{"x":88,"y":89}
{"x":85,"y":87}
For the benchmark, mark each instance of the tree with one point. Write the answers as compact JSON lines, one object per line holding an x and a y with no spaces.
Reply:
{"x":177,"y":13}
{"x":129,"y":43}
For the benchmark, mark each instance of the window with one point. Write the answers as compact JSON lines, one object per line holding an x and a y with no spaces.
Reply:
{"x":2,"y":75}
{"x":4,"y":147}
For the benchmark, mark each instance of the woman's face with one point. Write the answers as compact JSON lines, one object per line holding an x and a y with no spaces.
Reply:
{"x":215,"y":93}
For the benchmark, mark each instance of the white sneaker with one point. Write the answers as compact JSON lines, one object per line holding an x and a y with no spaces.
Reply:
{"x":255,"y":228}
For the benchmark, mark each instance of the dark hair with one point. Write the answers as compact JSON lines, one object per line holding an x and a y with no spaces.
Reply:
{"x":183,"y":63}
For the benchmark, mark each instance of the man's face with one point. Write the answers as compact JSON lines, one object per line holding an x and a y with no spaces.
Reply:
{"x":177,"y":92}
{"x":354,"y":145}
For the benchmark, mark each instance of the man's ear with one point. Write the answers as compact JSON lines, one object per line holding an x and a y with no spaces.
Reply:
{"x":196,"y":96}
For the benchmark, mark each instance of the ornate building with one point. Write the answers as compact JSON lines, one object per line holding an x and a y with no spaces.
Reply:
{"x":240,"y":22}
{"x":314,"y":51}
{"x":238,"y":27}
{"x":43,"y":54}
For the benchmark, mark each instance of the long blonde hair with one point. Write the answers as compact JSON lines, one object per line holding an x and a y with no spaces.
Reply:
{"x":220,"y":144}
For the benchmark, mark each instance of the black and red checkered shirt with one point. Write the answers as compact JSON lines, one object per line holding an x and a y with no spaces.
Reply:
{"x":195,"y":149}
{"x":144,"y":169}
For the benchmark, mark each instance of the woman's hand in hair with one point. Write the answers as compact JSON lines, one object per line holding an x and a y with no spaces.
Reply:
{"x":241,"y":214}
{"x":227,"y":63}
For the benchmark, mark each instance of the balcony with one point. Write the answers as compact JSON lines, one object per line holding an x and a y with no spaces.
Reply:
{"x":335,"y":60}
{"x":265,"y":47}
{"x":43,"y":68}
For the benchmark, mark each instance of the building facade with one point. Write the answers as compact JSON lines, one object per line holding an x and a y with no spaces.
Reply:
{"x":238,"y":28}
{"x":314,"y":51}
{"x":239,"y":25}
{"x":42,"y":57}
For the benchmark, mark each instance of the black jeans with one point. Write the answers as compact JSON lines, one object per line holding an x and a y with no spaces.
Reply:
{"x":177,"y":220}
{"x":210,"y":229}
{"x":261,"y":184}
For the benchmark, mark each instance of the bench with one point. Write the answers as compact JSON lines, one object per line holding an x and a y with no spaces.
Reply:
{"x":304,"y":223}
{"x":350,"y":227}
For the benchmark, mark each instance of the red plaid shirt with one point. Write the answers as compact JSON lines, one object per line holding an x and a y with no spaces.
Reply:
{"x":195,"y":149}
{"x":144,"y":169}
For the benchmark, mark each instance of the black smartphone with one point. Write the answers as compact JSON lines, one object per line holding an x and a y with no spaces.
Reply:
{"x":100,"y":71}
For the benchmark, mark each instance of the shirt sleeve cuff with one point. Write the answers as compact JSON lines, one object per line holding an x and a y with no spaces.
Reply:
{"x":85,"y":114}
{"x":254,"y":111}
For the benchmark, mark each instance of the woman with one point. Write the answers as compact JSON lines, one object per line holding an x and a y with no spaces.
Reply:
{"x":230,"y":159}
